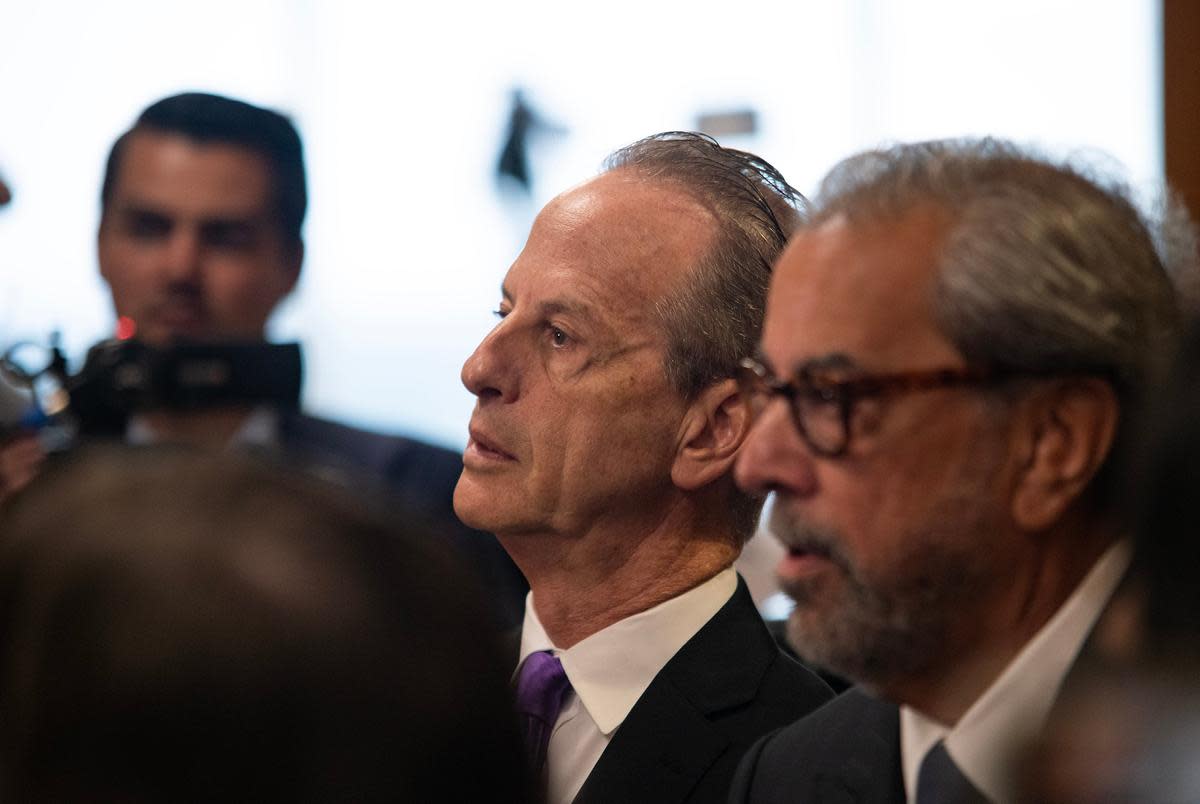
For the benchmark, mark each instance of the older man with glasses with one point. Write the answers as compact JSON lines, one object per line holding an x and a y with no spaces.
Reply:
{"x":953,"y":345}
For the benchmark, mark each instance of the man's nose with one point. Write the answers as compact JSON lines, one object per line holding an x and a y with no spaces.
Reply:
{"x":490,"y":372}
{"x":183,"y":256}
{"x":774,"y":456}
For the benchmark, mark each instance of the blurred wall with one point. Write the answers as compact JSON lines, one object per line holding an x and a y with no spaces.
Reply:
{"x":403,"y":109}
{"x":1181,"y":98}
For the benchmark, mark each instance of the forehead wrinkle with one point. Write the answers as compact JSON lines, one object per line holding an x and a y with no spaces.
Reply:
{"x":624,"y":224}
{"x":612,"y":250}
{"x":583,"y":310}
{"x":862,"y":288}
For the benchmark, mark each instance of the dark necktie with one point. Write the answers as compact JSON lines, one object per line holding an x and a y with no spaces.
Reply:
{"x":542,"y":687}
{"x":941,"y":782}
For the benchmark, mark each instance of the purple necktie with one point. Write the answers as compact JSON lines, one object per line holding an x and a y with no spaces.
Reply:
{"x":542,"y":687}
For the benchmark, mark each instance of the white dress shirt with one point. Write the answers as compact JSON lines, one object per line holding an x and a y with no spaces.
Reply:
{"x":259,"y":429}
{"x":610,"y":670}
{"x":989,"y":738}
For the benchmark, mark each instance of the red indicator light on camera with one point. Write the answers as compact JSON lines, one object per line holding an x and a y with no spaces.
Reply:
{"x":126,"y":328}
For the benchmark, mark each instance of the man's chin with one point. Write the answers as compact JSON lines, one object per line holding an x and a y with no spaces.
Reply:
{"x":825,"y":627}
{"x":819,"y":642}
{"x":474,"y":506}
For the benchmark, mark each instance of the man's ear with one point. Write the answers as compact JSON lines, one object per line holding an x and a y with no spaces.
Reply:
{"x":712,"y":431}
{"x":1067,"y":435}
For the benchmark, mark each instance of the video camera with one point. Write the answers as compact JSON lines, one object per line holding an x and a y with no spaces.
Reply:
{"x":122,"y":377}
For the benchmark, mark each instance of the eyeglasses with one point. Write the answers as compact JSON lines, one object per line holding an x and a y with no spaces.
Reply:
{"x":823,"y":407}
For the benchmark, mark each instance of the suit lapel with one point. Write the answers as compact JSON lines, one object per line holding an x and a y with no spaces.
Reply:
{"x":868,"y":768}
{"x":668,"y":741}
{"x":657,"y":755}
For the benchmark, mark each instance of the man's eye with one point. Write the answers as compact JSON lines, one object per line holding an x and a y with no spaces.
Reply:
{"x":235,"y":236}
{"x":558,"y":337}
{"x":822,"y":394}
{"x":147,"y":226}
{"x":500,"y":312}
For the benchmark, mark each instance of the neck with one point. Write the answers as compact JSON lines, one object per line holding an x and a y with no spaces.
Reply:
{"x":206,"y":429}
{"x":584,"y":583}
{"x":1023,"y":602}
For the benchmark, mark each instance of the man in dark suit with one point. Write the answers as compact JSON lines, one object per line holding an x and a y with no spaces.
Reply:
{"x":601,"y":454}
{"x":953,"y":346}
{"x":200,"y":239}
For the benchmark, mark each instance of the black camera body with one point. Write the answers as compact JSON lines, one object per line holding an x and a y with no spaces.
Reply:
{"x":122,"y":377}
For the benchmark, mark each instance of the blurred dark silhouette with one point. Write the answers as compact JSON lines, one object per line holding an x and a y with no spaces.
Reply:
{"x":184,"y":627}
{"x":1167,"y":550}
{"x":524,"y":124}
{"x":1128,"y":726}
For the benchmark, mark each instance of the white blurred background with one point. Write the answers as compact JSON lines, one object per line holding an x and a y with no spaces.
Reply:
{"x":403,"y":110}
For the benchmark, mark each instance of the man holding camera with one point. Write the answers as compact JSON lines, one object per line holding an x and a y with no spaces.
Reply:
{"x":203,"y":202}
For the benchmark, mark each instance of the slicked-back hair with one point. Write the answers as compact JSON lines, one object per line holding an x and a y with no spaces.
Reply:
{"x":214,"y":119}
{"x":1046,"y":268}
{"x":715,"y":319}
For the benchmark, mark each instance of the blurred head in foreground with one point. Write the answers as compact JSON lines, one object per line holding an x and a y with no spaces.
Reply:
{"x":175,"y":628}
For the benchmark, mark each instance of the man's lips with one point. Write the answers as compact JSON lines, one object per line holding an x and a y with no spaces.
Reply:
{"x":808,"y":552}
{"x":482,"y":446}
{"x":800,"y":563}
{"x":184,"y":317}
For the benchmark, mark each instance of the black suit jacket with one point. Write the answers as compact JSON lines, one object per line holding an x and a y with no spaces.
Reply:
{"x":846,"y":751}
{"x":727,"y":686}
{"x":419,"y":479}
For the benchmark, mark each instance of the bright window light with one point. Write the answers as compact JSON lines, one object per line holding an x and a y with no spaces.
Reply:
{"x":403,"y":109}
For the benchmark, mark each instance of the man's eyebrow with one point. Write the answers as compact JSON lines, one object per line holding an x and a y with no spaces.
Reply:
{"x":561,"y":306}
{"x":839,"y":361}
{"x":144,"y":209}
{"x":226,"y":221}
{"x":556,"y":306}
{"x":834,"y":361}
{"x":139,"y":208}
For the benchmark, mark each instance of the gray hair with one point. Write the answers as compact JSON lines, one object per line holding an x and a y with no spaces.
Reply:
{"x":715,"y":319}
{"x":1046,"y":268}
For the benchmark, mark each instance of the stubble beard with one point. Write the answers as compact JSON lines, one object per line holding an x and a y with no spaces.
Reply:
{"x":879,"y":631}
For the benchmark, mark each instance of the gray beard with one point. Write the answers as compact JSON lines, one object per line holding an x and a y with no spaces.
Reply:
{"x":874,"y":632}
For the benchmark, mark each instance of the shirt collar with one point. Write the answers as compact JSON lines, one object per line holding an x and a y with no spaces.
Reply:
{"x":259,"y":429}
{"x":610,"y":669}
{"x":989,"y":738}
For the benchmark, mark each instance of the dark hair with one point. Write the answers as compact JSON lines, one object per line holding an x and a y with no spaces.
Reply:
{"x":186,"y":627}
{"x":206,"y":118}
{"x":716,"y":319}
